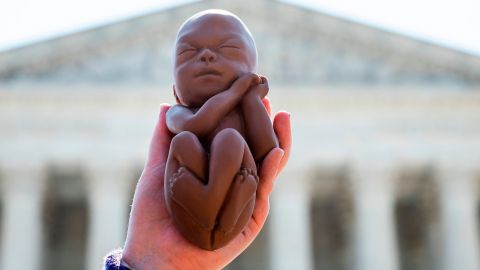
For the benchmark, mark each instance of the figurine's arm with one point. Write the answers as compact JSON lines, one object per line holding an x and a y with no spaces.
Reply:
{"x":259,"y":130}
{"x":207,"y":117}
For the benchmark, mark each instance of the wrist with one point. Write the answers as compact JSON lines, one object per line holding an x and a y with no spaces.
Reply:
{"x":139,"y":260}
{"x":125,"y":260}
{"x":250,"y":97}
{"x":147,"y":260}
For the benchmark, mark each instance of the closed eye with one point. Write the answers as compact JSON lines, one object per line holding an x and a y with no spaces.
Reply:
{"x":186,"y":50}
{"x":229,"y":47}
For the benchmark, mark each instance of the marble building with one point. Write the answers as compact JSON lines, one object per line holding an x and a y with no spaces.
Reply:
{"x":384,"y":172}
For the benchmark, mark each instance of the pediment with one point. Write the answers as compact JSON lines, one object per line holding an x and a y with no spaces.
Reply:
{"x":296,"y":46}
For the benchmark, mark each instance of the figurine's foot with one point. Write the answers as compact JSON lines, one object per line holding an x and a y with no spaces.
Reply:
{"x":186,"y":190}
{"x":180,"y":173}
{"x":241,"y":192}
{"x":237,"y":209}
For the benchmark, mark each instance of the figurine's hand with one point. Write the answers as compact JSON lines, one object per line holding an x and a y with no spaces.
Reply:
{"x":244,"y":82}
{"x":260,"y":89}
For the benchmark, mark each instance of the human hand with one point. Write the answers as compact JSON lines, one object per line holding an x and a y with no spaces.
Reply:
{"x":152,"y":239}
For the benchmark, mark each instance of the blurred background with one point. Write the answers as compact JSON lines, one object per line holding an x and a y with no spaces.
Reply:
{"x":385,"y":102}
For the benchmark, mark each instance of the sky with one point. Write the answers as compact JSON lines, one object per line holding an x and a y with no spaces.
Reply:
{"x":450,"y":23}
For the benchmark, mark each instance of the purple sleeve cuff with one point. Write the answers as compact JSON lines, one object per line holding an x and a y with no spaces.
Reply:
{"x":113,"y":261}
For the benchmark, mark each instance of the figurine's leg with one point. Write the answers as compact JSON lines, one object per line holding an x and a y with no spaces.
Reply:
{"x":185,"y":176}
{"x":226,"y":157}
{"x":187,"y":151}
{"x":241,"y":198}
{"x":240,"y":192}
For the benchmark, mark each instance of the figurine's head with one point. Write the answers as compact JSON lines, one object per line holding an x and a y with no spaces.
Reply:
{"x":212,"y":49}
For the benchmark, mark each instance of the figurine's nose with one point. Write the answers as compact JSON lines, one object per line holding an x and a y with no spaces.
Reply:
{"x":206,"y":55}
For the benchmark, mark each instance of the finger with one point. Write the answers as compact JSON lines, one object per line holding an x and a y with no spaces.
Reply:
{"x":259,"y":216}
{"x":282,"y":127}
{"x":266,"y":103}
{"x":263,"y":90}
{"x":264,"y":80}
{"x":160,"y":142}
{"x":148,"y":195}
{"x":255,"y":79}
{"x":268,"y":172}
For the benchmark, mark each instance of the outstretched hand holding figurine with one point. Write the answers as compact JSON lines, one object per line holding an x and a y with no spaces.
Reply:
{"x":152,"y":240}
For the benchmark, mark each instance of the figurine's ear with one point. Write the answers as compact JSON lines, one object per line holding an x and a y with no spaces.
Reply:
{"x":175,"y":94}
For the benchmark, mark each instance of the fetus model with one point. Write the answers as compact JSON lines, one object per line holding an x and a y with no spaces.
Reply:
{"x":222,"y":129}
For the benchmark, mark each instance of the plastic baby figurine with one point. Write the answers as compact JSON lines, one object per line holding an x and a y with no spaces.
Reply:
{"x":222,"y":129}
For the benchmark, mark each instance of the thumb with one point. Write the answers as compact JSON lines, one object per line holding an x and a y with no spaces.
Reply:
{"x":160,"y":142}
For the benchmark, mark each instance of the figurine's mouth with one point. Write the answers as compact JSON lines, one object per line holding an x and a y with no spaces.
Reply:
{"x":208,"y":71}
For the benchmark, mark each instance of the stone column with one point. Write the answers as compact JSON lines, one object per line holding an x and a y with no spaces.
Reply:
{"x":108,"y":201}
{"x":22,"y":195}
{"x":290,"y":243}
{"x":375,"y":244}
{"x":460,"y":249}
